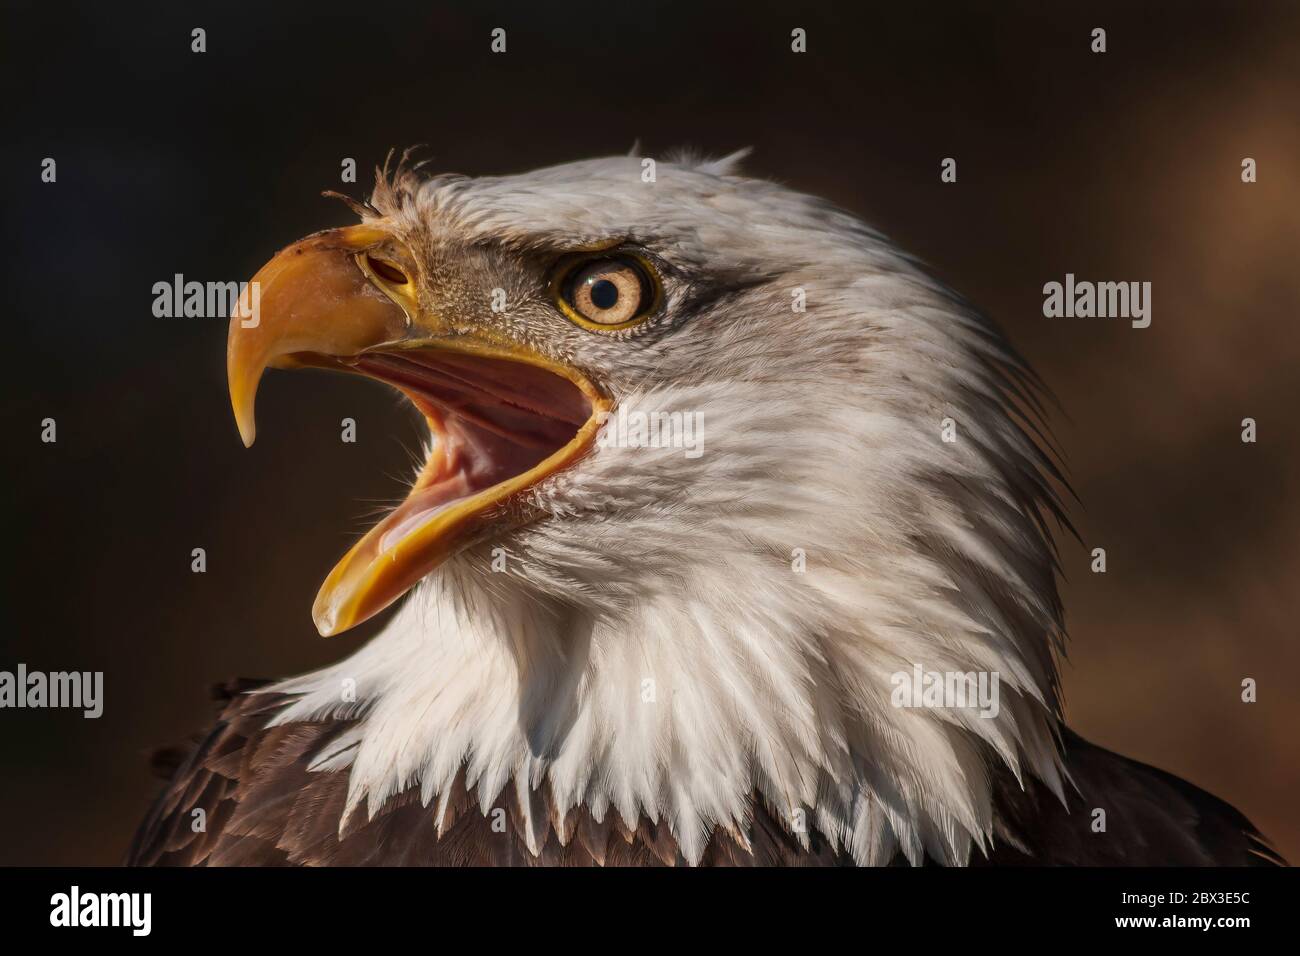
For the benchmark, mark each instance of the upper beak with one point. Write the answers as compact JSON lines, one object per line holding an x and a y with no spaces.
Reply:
{"x":311,"y":298}
{"x":503,"y":416}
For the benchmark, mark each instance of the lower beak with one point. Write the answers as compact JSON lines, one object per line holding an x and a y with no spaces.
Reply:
{"x":502,"y":416}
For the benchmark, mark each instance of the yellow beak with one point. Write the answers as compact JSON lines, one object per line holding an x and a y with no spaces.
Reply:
{"x":495,"y":407}
{"x":311,"y":298}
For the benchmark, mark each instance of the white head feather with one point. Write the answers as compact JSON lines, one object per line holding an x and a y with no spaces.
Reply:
{"x":654,"y":575}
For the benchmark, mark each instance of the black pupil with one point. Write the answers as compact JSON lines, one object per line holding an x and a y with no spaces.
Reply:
{"x":604,"y":294}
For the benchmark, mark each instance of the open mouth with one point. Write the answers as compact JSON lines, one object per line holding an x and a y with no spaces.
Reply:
{"x":502,"y":417}
{"x":491,"y":420}
{"x":498,"y":427}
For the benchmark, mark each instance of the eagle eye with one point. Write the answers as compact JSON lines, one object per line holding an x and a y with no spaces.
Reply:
{"x":609,"y":292}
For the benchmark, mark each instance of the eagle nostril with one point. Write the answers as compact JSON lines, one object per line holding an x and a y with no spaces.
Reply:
{"x":387,"y":271}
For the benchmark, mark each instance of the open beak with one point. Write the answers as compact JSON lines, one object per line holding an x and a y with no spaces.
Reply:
{"x":502,"y":417}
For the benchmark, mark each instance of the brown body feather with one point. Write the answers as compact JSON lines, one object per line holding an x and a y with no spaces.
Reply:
{"x":263,"y":807}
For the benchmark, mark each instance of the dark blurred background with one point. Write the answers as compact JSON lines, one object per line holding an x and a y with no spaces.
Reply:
{"x":1122,"y":166}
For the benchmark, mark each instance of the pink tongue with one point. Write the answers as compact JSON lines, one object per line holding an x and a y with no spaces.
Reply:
{"x":472,"y":458}
{"x":498,"y":419}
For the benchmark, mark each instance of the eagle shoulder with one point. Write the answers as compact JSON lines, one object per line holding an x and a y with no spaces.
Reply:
{"x":1152,"y":818}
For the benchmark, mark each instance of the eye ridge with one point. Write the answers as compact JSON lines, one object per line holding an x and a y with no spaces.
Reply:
{"x":607,"y":292}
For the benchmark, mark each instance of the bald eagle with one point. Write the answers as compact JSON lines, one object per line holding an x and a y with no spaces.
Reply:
{"x":716,"y":477}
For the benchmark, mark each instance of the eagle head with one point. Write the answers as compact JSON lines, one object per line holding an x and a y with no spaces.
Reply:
{"x":711,"y":462}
